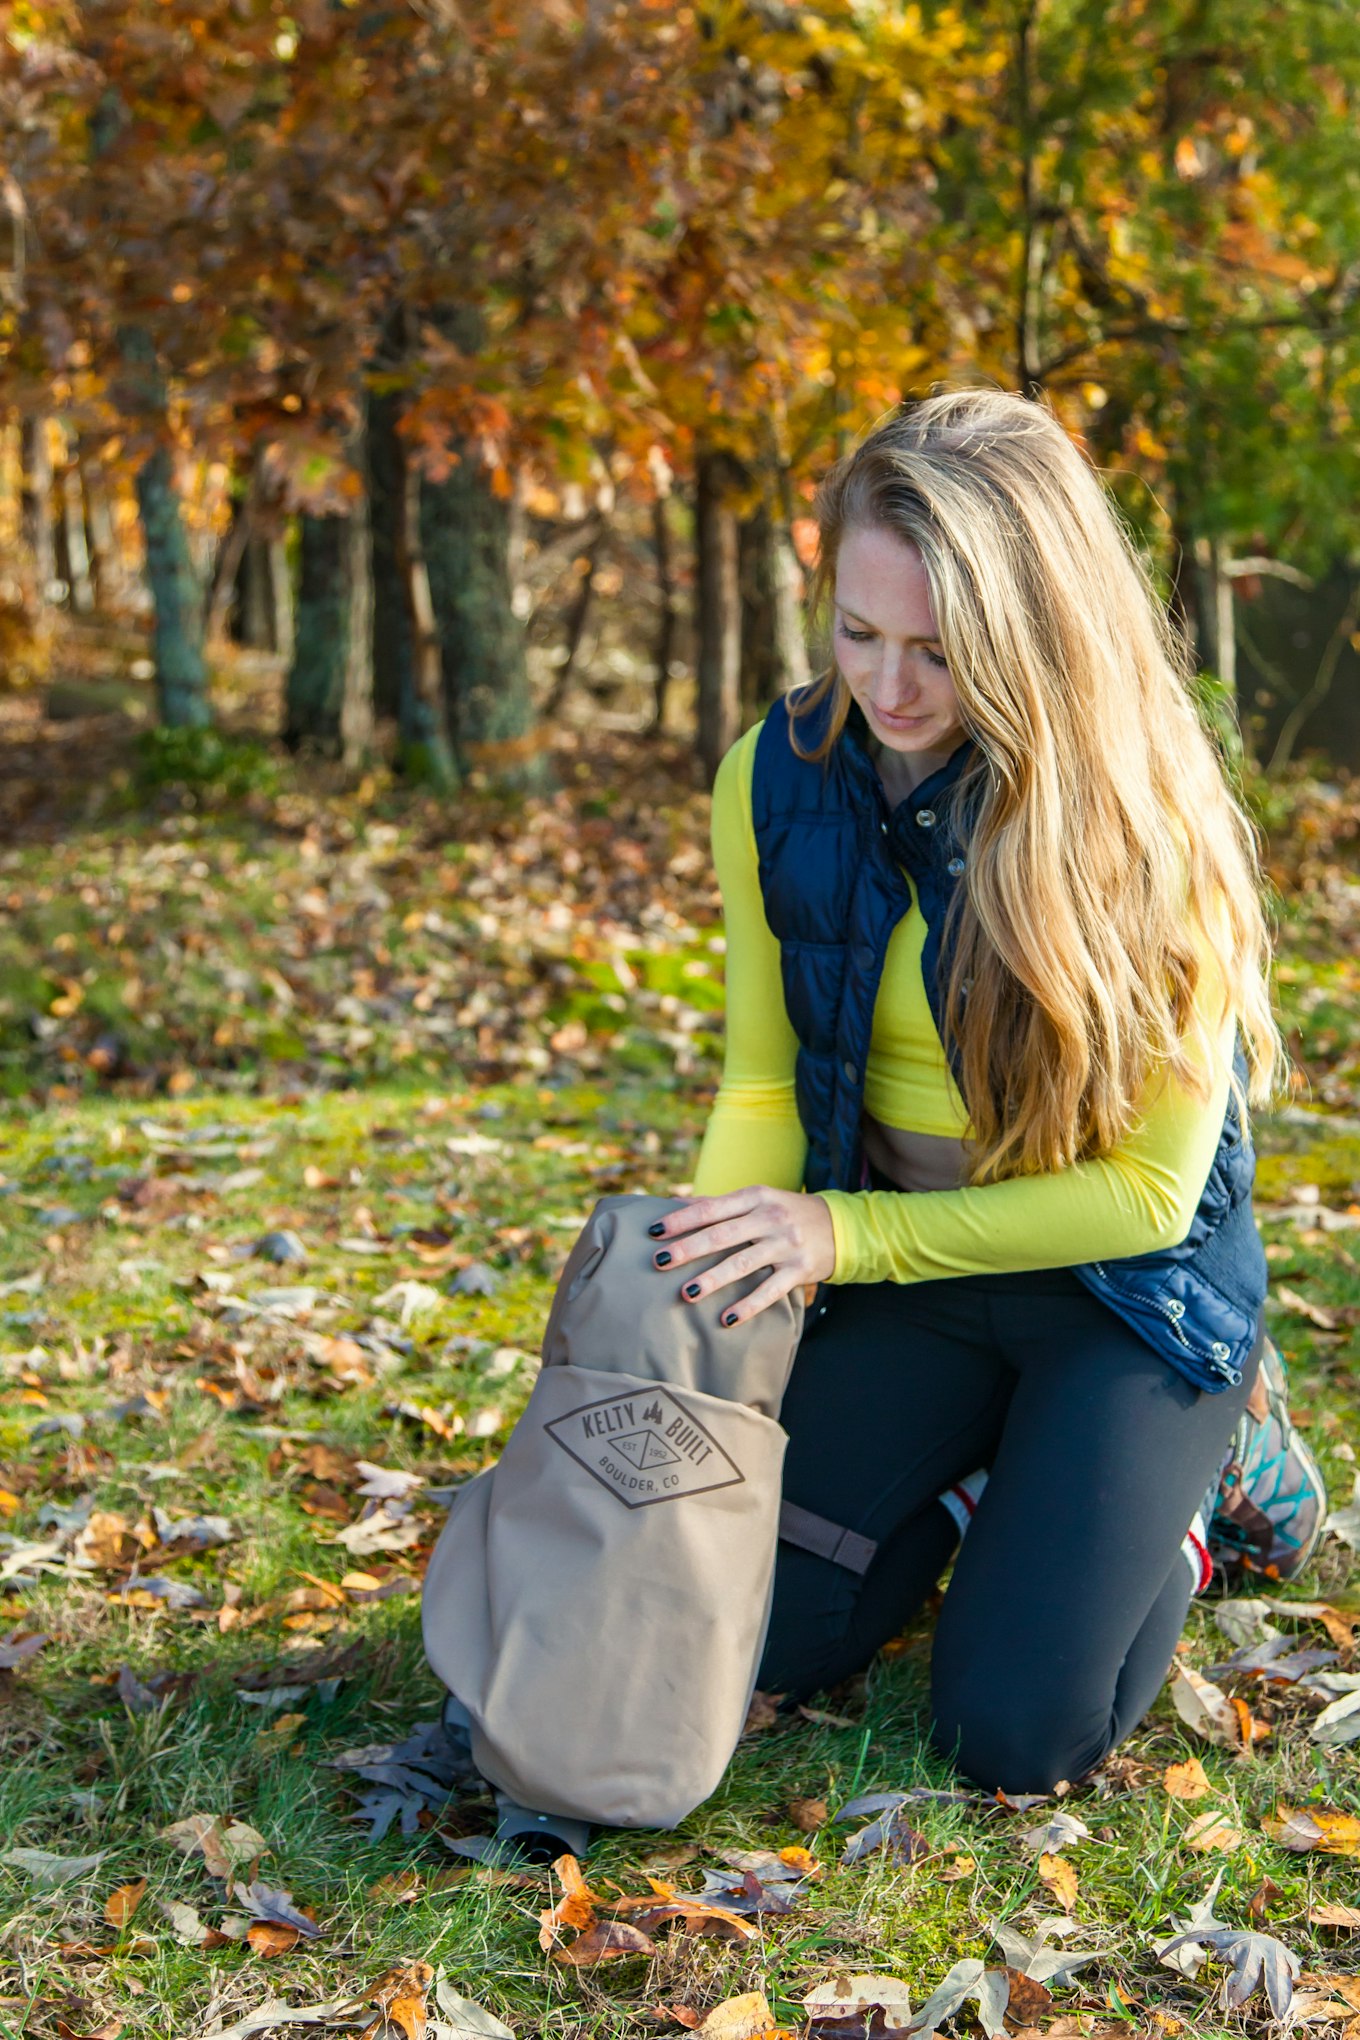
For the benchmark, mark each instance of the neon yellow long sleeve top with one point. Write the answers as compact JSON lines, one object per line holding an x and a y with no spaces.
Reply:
{"x":1139,"y":1197}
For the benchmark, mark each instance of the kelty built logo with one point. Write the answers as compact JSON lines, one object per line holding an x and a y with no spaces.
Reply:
{"x":645,"y":1447}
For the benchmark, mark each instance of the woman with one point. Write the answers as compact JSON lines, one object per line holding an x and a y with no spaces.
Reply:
{"x":997,"y":1003}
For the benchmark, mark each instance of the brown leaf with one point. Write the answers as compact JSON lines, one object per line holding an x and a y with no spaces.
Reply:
{"x":808,"y":1815}
{"x":605,"y":1941}
{"x":269,"y":1937}
{"x":226,"y":1847}
{"x":121,"y":1904}
{"x":399,"y":1888}
{"x":1262,"y":1899}
{"x":762,"y":1713}
{"x":1186,"y":1781}
{"x":1204,"y":1708}
{"x":1347,"y":1916}
{"x":959,"y":1865}
{"x":1057,"y":1875}
{"x":825,"y":1720}
{"x":1029,"y":1999}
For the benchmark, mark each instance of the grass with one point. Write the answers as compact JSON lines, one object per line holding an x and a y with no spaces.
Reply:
{"x":342,"y":1108}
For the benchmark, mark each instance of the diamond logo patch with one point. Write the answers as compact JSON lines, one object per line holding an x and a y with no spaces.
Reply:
{"x":645,"y":1447}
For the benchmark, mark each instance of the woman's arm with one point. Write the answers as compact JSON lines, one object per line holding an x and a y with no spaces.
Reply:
{"x":753,"y":1134}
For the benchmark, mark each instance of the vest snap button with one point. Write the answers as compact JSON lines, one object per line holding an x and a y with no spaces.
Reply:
{"x":926,"y":818}
{"x":851,"y":1073}
{"x":884,"y":827}
{"x":1175,"y":1308}
{"x":1219,"y":1350}
{"x":954,"y":866}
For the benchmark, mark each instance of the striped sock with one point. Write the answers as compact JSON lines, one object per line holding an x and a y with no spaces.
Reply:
{"x":962,"y":1499}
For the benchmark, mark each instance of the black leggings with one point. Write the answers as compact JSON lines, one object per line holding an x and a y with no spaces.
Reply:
{"x":1070,"y":1589}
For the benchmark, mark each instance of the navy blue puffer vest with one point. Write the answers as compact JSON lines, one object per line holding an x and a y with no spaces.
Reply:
{"x":836,"y":863}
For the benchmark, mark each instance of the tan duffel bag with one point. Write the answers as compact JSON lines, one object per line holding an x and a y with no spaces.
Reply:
{"x":598,"y":1599}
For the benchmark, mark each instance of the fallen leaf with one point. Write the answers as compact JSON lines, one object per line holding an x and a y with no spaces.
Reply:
{"x":121,"y":1904}
{"x":762,"y":1713}
{"x":15,"y":1649}
{"x":1186,"y":1781}
{"x":45,"y":1868}
{"x":464,"y":2020}
{"x":1057,"y":1875}
{"x":1028,"y":1999}
{"x":270,"y":1937}
{"x":1314,"y":1827}
{"x":823,"y":1719}
{"x":189,"y":1928}
{"x":276,"y":2013}
{"x":1203,"y":1708}
{"x":575,"y":1908}
{"x":400,"y":1996}
{"x":265,"y":1902}
{"x":1338,"y":1723}
{"x":738,"y":2018}
{"x":807,"y":1815}
{"x":846,"y":1996}
{"x":606,"y":1941}
{"x":1213,"y":1831}
{"x":1347,"y":1916}
{"x":1054,"y":1835}
{"x":225,"y":1847}
{"x":398,"y":1888}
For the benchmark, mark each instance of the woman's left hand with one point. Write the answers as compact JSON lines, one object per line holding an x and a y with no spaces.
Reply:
{"x":787,"y":1231}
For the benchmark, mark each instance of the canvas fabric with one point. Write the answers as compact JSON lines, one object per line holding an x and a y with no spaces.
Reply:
{"x":598,"y":1599}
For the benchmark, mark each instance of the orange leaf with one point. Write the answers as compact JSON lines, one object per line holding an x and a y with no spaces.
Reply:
{"x":120,"y":1905}
{"x":268,"y":1937}
{"x":401,"y":1995}
{"x":1186,"y":1781}
{"x":575,"y":1908}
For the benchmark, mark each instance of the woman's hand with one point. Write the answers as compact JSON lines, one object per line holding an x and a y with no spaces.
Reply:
{"x":786,"y":1231}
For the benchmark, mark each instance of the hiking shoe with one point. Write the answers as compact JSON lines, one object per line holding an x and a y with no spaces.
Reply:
{"x":1271,"y":1500}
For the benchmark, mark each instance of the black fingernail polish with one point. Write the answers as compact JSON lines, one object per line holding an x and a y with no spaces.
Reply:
{"x":731,"y":1318}
{"x":662,"y":1259}
{"x":660,"y":1226}
{"x":692,"y":1289}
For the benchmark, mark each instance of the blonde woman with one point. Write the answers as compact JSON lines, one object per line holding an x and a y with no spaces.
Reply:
{"x":997,"y":1007}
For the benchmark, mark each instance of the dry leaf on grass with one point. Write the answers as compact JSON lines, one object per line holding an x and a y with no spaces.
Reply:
{"x":45,"y":1868}
{"x":605,"y":1941}
{"x":121,"y":1904}
{"x":747,"y":2017}
{"x":1054,"y":1835}
{"x":1204,"y":1709}
{"x":270,"y":1937}
{"x":1304,"y":1829}
{"x":575,"y":1908}
{"x":807,"y":1815}
{"x":462,"y":2019}
{"x":400,"y":1996}
{"x":1213,"y":1831}
{"x":846,"y":1996}
{"x":276,"y":1908}
{"x":190,"y":1930}
{"x":225,"y":1846}
{"x":1187,"y":1781}
{"x":1346,"y":1916}
{"x":1057,"y":1875}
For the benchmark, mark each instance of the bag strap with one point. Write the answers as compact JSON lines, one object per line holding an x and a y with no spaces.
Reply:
{"x":825,"y":1539}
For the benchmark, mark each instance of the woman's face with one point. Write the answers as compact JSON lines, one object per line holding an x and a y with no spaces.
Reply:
{"x":890,"y":655}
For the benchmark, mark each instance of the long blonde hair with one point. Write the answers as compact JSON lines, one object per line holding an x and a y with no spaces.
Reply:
{"x":1095,"y":782}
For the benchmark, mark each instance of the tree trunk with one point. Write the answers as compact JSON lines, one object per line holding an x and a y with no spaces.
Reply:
{"x":39,"y":529}
{"x":468,"y":530}
{"x":773,"y":653}
{"x":109,"y":579}
{"x":423,"y":732}
{"x":283,"y":610}
{"x":177,"y":644}
{"x":718,"y":616}
{"x":77,"y":549}
{"x":577,"y":612}
{"x":666,"y":609}
{"x":253,"y":611}
{"x":329,"y":689}
{"x":226,"y":573}
{"x":393,"y":681}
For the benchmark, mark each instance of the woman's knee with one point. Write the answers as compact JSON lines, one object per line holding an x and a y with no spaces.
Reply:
{"x":1011,"y":1742}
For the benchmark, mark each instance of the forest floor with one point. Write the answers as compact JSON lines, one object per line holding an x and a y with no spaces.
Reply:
{"x":309,"y":1094}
